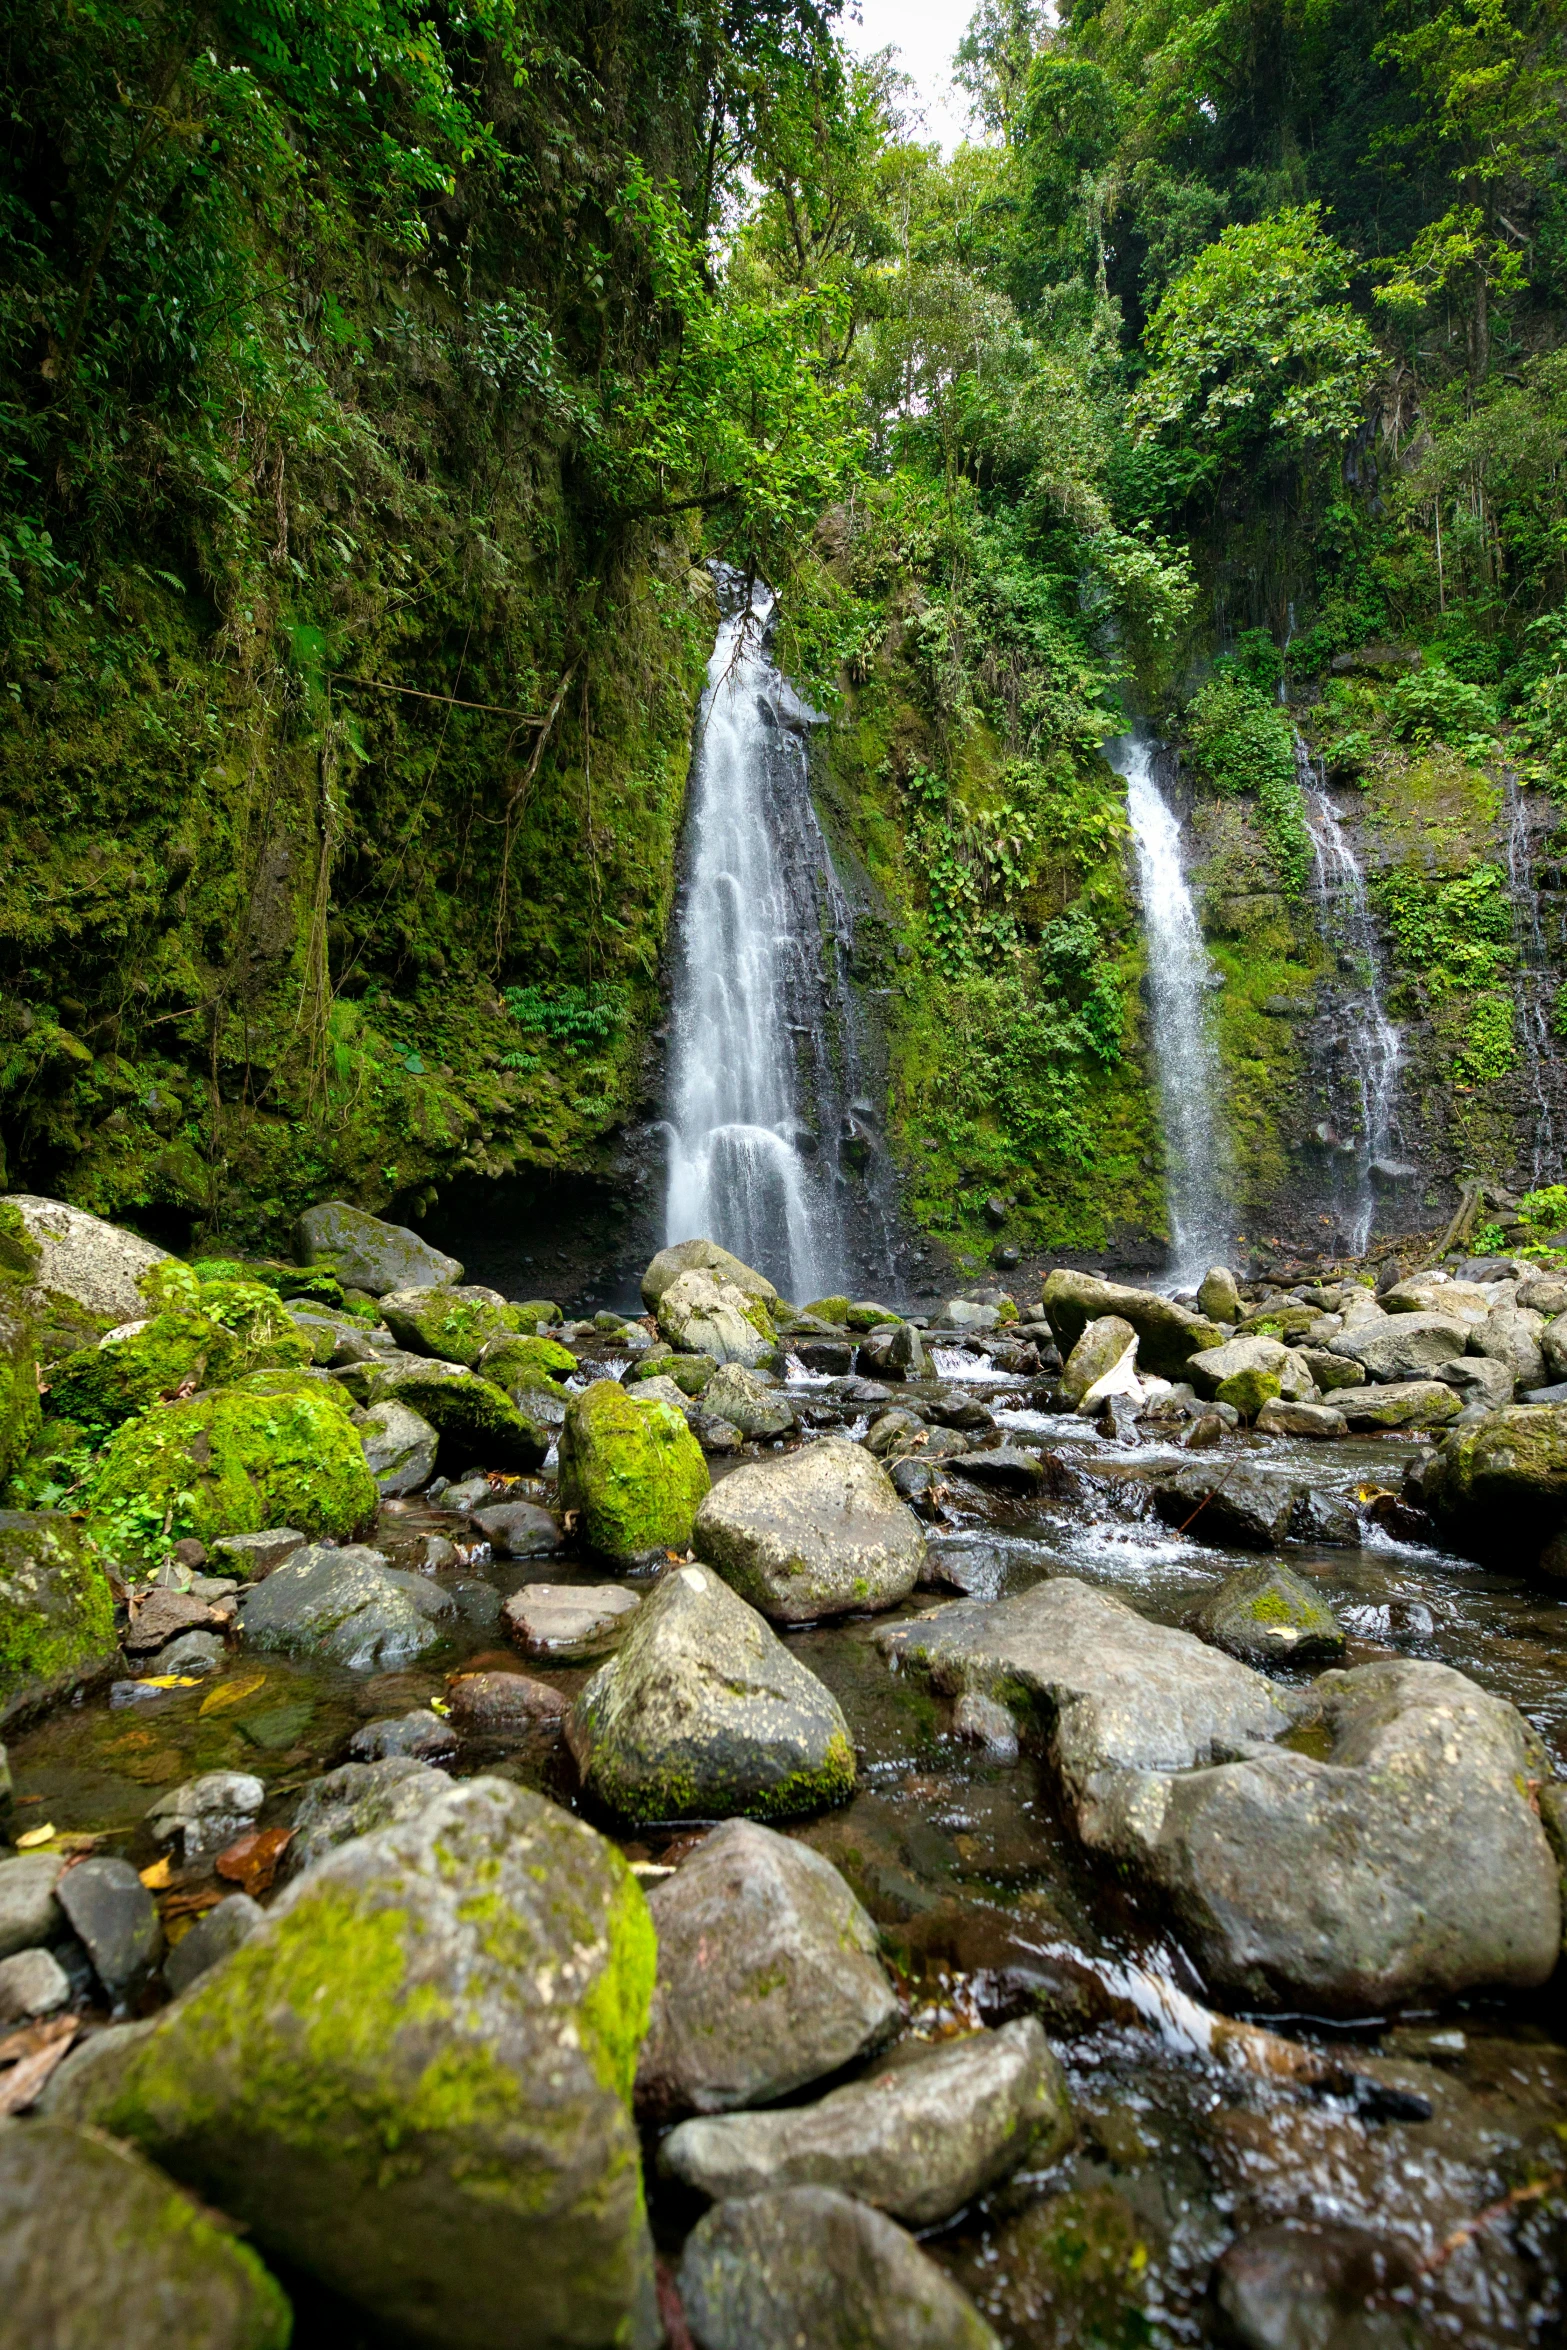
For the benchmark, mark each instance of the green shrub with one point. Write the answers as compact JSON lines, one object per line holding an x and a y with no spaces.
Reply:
{"x":1240,"y":741}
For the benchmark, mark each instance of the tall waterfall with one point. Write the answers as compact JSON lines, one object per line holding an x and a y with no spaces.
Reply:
{"x":1186,"y":1064}
{"x":1363,"y":1079}
{"x":758,"y":1100}
{"x":1534,"y":988}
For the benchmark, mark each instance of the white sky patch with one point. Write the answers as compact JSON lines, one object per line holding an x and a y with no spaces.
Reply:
{"x":925,"y":33}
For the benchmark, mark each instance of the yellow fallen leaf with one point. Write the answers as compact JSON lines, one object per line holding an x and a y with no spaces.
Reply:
{"x":169,"y":1680}
{"x":229,"y":1693}
{"x":157,"y":1876}
{"x":35,"y":1837}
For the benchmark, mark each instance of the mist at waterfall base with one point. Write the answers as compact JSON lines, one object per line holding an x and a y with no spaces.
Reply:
{"x":1185,"y":1059}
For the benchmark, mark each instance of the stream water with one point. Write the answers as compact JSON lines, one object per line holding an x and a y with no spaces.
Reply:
{"x":1185,"y":1060}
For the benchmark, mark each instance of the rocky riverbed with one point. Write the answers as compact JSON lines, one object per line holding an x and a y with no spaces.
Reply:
{"x":759,"y":1824}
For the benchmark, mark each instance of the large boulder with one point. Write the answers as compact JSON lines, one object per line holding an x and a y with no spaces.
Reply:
{"x":525,"y":1360}
{"x":703,"y":1316}
{"x":703,"y":1256}
{"x":819,"y":1532}
{"x":355,"y":1800}
{"x":810,"y":2266}
{"x":235,"y":1461}
{"x":456,"y":1324}
{"x":918,"y":2139}
{"x":1498,"y":1488}
{"x":1249,"y":1507}
{"x":1167,"y":1334}
{"x":399,"y":1446}
{"x":632,"y":1469}
{"x":207,"y":1339}
{"x":96,"y":2247}
{"x":747,"y":1402}
{"x":1404,"y":1346}
{"x":768,"y":1975}
{"x":1403,"y":1403}
{"x":1112,"y":1692}
{"x":1245,"y":1372}
{"x":1218,"y":1295}
{"x":56,"y":1612}
{"x":1512,"y":1335}
{"x":1407,"y":1866}
{"x":1102,"y":1347}
{"x":474,"y":1420}
{"x":412,"y":2081}
{"x":1470,"y":1302}
{"x":96,"y":1266}
{"x":1479,"y":1379}
{"x":347,"y":1607}
{"x":366,"y":1254}
{"x":704,"y":1712}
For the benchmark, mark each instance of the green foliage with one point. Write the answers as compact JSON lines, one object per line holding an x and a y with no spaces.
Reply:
{"x":578,"y":1019}
{"x":1457,"y":934}
{"x":1433,"y":705}
{"x":1489,"y":1049}
{"x":1241,"y":741}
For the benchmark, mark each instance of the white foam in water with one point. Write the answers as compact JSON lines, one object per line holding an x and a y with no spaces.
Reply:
{"x":951,"y":1362}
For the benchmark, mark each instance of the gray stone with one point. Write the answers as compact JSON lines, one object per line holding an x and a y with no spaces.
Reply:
{"x":701,"y":1315}
{"x":747,"y":1401}
{"x":519,"y":1530}
{"x":159,"y":1616}
{"x":366,"y":1254}
{"x":1407,"y":1403}
{"x":32,"y":1982}
{"x":1101,"y":1348}
{"x":569,"y":1621}
{"x":355,"y":1800}
{"x":1218,"y":1296}
{"x":205,"y":1814}
{"x":467,"y":1989}
{"x":421,"y":1734}
{"x":544,"y":1407}
{"x":703,"y":1256}
{"x":1248,"y":1507}
{"x":917,"y":2140}
{"x":985,"y":1723}
{"x":1469,"y":1302}
{"x":468,"y":1494}
{"x":810,"y":2267}
{"x":1168,"y":1335}
{"x":1264,"y":1614}
{"x":1316,"y":2288}
{"x":1115,"y":1693}
{"x":96,"y":2248}
{"x":1008,"y":1468}
{"x":1330,"y":1371}
{"x":94,"y":1264}
{"x":768,"y":1975}
{"x":1546,"y":1293}
{"x":1482,"y":1379}
{"x":72,"y":2090}
{"x":503,"y":1707}
{"x":1512,"y":1335}
{"x":704,"y":1713}
{"x":345,"y":1606}
{"x":961,"y":1313}
{"x":1278,"y":1418}
{"x":251,"y":1557}
{"x":1261,"y":1357}
{"x":399,"y":1446}
{"x":29,"y":1912}
{"x":114,"y":1915}
{"x":211,"y":1938}
{"x":818,"y":1532}
{"x":1404,"y":1346}
{"x":894,"y":1435}
{"x":1406,"y":1868}
{"x":1326,"y":1519}
{"x":893,"y":1354}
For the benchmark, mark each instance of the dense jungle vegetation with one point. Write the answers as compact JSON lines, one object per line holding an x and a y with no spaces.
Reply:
{"x":375,"y":377}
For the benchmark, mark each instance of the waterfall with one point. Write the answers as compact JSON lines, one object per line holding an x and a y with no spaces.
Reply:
{"x":1534,"y":986}
{"x":1186,"y":1065}
{"x":758,"y":1014}
{"x":1361,"y":1121}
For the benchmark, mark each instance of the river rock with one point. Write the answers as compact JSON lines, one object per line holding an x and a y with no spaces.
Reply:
{"x":1102,"y":1347}
{"x":1218,"y":1295}
{"x":818,"y":1532}
{"x":29,"y":1912}
{"x":916,"y":2139}
{"x":1330,"y":1371}
{"x":1007,"y":1468}
{"x":569,"y":1621}
{"x":210,"y":1939}
{"x":250,"y":1558}
{"x":453,"y":1322}
{"x":277,"y":1449}
{"x":1267,"y":1613}
{"x":1249,"y":1507}
{"x":1470,"y":1302}
{"x":113,"y":1915}
{"x":502,"y":1707}
{"x":421,"y":1733}
{"x":474,"y":1420}
{"x":97,"y":1266}
{"x":32,"y":1983}
{"x":346,"y":1607}
{"x":204,"y":1814}
{"x":704,"y":1712}
{"x":1167,"y":1334}
{"x":468,"y":1987}
{"x":519,"y":1530}
{"x":1408,"y":1867}
{"x":1513,"y":1335}
{"x":160,"y":1617}
{"x":56,"y":1612}
{"x":1404,"y":1346}
{"x":1278,"y":1418}
{"x":964,"y":1313}
{"x":355,"y":1800}
{"x":700,"y":1315}
{"x":893,"y":1354}
{"x":97,"y":2248}
{"x":703,"y":1256}
{"x":1480,"y":1379}
{"x":1316,"y":2288}
{"x":1244,"y":1372}
{"x":768,"y":1975}
{"x":366,"y":1254}
{"x":399,"y":1446}
{"x":1114,"y":1693}
{"x":1497,"y":1488}
{"x":632,"y":1469}
{"x":807,"y":2265}
{"x":1407,"y":1403}
{"x":747,"y":1401}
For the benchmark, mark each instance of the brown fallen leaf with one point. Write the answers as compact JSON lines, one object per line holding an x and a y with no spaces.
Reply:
{"x":251,"y":1861}
{"x":191,"y":1904}
{"x":32,"y":2055}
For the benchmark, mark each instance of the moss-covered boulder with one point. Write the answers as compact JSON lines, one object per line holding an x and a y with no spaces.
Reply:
{"x":20,"y":1411}
{"x":235,"y":1462}
{"x":366,"y":1253}
{"x":94,"y":1266}
{"x":56,"y":1611}
{"x":690,"y":1373}
{"x":1265,"y":1613}
{"x":537,"y":1313}
{"x":520,"y":1361}
{"x":103,"y":1385}
{"x":703,"y":1256}
{"x":632,"y":1468}
{"x":868,"y":1315}
{"x":1168,"y":1335}
{"x":1404,"y":1403}
{"x":1248,"y":1391}
{"x":1498,"y":1488}
{"x":413,"y":2080}
{"x":456,"y":1325}
{"x":478,"y":1424}
{"x":97,"y":2247}
{"x":700,"y":1315}
{"x":1073,"y":2269}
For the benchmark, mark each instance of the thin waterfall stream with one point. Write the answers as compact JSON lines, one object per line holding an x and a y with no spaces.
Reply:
{"x":1186,"y":1062}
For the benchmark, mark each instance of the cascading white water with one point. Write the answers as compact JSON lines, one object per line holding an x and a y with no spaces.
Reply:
{"x":1534,"y":985}
{"x":752,"y":977}
{"x":1186,"y":1063}
{"x":1375,"y":1049}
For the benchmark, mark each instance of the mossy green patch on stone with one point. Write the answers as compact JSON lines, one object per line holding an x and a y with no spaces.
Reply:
{"x":632,"y":1468}
{"x":527,"y":1362}
{"x":453,"y":1324}
{"x":1248,"y":1391}
{"x":235,"y":1462}
{"x":56,"y":1609}
{"x":474,"y":1420}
